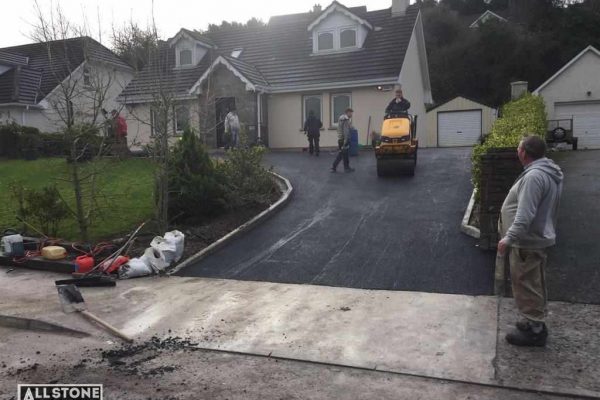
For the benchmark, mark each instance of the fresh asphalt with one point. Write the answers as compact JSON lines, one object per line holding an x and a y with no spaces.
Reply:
{"x":360,"y":231}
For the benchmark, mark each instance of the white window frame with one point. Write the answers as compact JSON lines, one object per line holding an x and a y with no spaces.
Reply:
{"x":348,"y":28}
{"x":337,"y":32}
{"x":179,"y":57}
{"x":334,"y":118}
{"x":304,"y":108}
{"x":176,"y":129}
{"x":332,"y":32}
{"x":87,"y":76}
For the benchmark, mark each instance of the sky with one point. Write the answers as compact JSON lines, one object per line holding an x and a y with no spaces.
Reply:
{"x":100,"y":16}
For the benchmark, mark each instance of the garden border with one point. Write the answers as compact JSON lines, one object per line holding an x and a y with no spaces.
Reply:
{"x":287,"y":190}
{"x":464,"y":226}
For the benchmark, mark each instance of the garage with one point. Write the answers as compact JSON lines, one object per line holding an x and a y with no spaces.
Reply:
{"x":586,"y":122}
{"x":459,"y":128}
{"x":458,"y":123}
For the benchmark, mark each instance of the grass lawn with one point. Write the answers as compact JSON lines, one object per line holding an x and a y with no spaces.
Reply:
{"x":125,"y":199}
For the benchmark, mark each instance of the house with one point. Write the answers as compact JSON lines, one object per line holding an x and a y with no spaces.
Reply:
{"x":488,"y":15}
{"x":34,"y":78}
{"x":458,"y":122}
{"x":573,"y":92}
{"x":321,"y":61}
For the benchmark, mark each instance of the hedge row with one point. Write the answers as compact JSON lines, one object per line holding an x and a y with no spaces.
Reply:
{"x":521,"y":117}
{"x":18,"y":141}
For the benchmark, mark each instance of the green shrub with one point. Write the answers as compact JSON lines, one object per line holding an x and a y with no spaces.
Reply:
{"x":246,"y":181}
{"x":194,"y":188}
{"x":19,"y":141}
{"x":44,"y":209}
{"x":521,"y":117}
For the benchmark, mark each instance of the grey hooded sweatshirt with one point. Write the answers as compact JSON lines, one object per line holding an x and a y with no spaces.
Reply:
{"x":530,"y":210}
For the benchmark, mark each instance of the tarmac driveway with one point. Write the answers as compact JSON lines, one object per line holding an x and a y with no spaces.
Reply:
{"x":356,"y":230}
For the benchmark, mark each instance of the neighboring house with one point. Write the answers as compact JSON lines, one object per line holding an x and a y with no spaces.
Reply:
{"x":488,"y":15}
{"x":322,"y":61}
{"x":574,"y":93}
{"x":32,"y":77}
{"x":458,"y":122}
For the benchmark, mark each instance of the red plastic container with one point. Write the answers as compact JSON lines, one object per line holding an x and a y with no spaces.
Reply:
{"x":84,"y":264}
{"x":110,"y":266}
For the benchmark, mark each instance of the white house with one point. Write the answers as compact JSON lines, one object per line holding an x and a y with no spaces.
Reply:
{"x":321,"y":61}
{"x":32,"y":77}
{"x":573,"y":92}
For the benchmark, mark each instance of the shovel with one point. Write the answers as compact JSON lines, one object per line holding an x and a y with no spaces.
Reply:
{"x":72,"y":301}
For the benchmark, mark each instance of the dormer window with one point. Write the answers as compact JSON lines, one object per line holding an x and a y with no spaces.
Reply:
{"x":348,"y":38}
{"x":325,"y":41}
{"x":185,"y":57}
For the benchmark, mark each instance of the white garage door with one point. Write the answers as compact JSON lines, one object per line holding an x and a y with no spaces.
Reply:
{"x":459,"y":128}
{"x":586,"y":122}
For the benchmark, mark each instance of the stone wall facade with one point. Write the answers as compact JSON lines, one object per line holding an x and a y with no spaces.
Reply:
{"x":222,"y":84}
{"x":499,"y":170}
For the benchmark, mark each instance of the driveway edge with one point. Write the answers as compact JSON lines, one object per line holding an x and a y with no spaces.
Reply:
{"x":464,"y":226}
{"x":287,"y":190}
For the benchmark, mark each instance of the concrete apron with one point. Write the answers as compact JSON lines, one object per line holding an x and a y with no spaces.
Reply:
{"x":434,"y":335}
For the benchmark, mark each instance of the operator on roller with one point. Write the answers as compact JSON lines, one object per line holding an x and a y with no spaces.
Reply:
{"x":398,"y":106}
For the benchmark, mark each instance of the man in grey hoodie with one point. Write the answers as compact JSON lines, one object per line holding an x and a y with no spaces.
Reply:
{"x":343,"y":130}
{"x":527,"y":227}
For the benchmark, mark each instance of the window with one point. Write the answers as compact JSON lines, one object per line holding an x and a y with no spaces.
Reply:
{"x":339,"y":103}
{"x":235,"y":53}
{"x":312,"y":103}
{"x":348,"y":38}
{"x":155,"y":123}
{"x":181,"y":119}
{"x":87,"y":79}
{"x":185,"y":57}
{"x":325,"y":41}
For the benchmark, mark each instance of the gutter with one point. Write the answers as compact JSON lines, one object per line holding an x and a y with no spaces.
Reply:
{"x":33,"y":106}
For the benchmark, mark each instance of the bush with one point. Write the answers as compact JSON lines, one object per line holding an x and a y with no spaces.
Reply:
{"x":521,"y":117}
{"x":44,"y":209}
{"x":19,"y":141}
{"x":246,"y":181}
{"x":194,"y":188}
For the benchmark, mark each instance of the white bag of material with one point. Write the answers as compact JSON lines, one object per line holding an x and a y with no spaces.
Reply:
{"x":156,"y":259}
{"x":177,"y":238}
{"x":134,"y":268}
{"x":166,"y":248}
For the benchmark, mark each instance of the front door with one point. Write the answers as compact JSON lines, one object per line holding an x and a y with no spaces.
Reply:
{"x":223,"y":106}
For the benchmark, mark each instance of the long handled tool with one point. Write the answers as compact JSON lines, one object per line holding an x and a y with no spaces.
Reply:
{"x":72,"y":301}
{"x":37,"y":325}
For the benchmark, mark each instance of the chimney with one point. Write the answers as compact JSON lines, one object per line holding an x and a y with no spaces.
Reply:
{"x":399,"y":7}
{"x":517,"y":89}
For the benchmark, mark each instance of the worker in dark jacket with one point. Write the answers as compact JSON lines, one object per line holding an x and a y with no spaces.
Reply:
{"x":312,"y":128}
{"x":398,"y":106}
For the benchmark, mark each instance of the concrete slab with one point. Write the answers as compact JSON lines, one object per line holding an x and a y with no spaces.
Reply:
{"x":569,"y":363}
{"x":443,"y":336}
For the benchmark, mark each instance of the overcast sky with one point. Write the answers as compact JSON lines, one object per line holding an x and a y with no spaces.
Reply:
{"x":19,"y":15}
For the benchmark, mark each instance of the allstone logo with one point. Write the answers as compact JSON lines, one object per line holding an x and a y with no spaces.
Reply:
{"x":59,"y":392}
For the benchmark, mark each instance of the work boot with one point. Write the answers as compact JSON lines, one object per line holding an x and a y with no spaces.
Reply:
{"x":333,"y":170}
{"x":523,"y":325}
{"x":535,"y":336}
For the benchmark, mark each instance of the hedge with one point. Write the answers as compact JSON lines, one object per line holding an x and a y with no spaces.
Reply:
{"x":521,"y":117}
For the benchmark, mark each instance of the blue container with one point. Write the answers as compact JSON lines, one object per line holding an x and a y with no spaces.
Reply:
{"x":353,"y":151}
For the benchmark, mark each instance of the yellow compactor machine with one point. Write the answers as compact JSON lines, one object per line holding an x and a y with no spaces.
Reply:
{"x":396,"y":148}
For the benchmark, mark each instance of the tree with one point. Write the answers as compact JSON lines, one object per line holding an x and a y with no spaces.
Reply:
{"x":134,"y":44}
{"x":76,"y":105}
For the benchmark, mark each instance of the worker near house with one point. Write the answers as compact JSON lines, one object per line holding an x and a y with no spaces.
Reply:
{"x":232,"y":127}
{"x":312,"y":128}
{"x":343,"y":130}
{"x":527,"y":227}
{"x":398,"y":106}
{"x":119,"y":130}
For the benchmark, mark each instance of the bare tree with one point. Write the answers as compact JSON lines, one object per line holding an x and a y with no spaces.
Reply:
{"x":77,"y":104}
